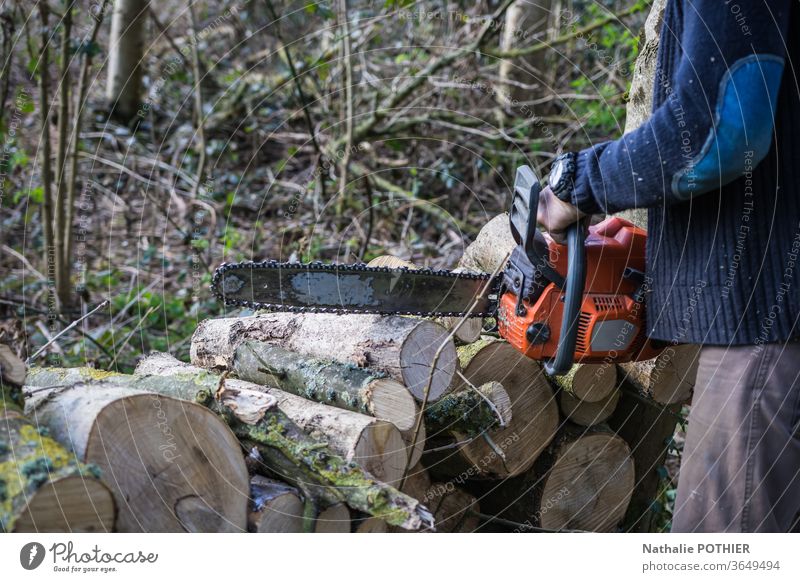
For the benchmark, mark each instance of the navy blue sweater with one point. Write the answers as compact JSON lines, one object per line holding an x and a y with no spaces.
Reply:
{"x":718,"y":167}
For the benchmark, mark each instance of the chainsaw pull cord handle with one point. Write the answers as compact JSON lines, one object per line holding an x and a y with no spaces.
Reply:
{"x":574,"y":284}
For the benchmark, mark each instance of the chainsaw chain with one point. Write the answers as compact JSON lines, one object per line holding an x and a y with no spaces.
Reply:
{"x":317,"y":266}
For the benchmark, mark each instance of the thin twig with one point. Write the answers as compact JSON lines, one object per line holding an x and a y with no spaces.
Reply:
{"x":118,"y":351}
{"x":65,"y":330}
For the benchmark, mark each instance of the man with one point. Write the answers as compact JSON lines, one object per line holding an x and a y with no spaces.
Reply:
{"x":718,"y":167}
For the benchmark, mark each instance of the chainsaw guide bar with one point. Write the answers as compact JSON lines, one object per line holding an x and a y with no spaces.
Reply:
{"x":340,"y":289}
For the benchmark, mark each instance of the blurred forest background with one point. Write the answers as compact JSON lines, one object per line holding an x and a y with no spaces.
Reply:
{"x":145,"y":143}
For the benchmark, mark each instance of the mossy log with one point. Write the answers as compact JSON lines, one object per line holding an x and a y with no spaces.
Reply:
{"x":587,"y":413}
{"x":172,"y":465}
{"x":402,"y":347}
{"x":470,"y":412}
{"x":288,"y":453}
{"x":335,"y":384}
{"x":376,"y":445}
{"x":668,"y":378}
{"x":583,"y":481}
{"x":43,"y":486}
{"x":513,"y":449}
{"x":589,"y":382}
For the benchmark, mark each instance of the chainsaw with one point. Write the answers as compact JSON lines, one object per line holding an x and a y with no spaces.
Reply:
{"x":540,"y":300}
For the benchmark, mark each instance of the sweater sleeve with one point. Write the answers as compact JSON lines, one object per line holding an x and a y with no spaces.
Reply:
{"x":716,"y":121}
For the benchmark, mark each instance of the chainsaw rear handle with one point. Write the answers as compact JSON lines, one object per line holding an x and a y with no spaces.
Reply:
{"x":522,"y":218}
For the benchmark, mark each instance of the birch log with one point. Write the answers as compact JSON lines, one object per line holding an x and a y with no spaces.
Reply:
{"x":587,"y":413}
{"x":511,"y":450}
{"x":583,"y":481}
{"x":668,"y":378}
{"x":332,"y":383}
{"x":278,"y":445}
{"x":43,"y":486}
{"x":376,"y":445}
{"x":275,"y":507}
{"x":402,"y":347}
{"x":470,"y":412}
{"x":589,"y":382}
{"x":173,"y":465}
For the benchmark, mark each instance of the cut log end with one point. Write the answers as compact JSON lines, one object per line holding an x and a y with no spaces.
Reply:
{"x":381,"y":450}
{"x":275,"y":507}
{"x":393,"y":402}
{"x":69,"y":505}
{"x":589,"y":485}
{"x":417,"y":357}
{"x":334,"y":519}
{"x":588,"y":413}
{"x":593,"y":382}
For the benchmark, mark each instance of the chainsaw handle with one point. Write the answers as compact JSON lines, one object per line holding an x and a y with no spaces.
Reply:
{"x":573,"y":298}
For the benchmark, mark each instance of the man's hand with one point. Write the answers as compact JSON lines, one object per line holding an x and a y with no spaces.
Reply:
{"x":555,"y":216}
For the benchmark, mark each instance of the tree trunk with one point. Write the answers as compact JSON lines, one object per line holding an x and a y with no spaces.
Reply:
{"x":275,"y":507}
{"x":525,"y":21}
{"x":470,"y":413}
{"x":126,"y":52}
{"x":668,"y":378}
{"x":587,"y":413}
{"x":172,"y":465}
{"x":640,"y":102}
{"x":583,"y":481}
{"x":511,"y":450}
{"x":278,"y":445}
{"x":43,"y":486}
{"x":325,"y":381}
{"x":402,"y":347}
{"x":589,"y":382}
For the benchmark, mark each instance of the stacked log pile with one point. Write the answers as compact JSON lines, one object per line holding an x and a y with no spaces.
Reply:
{"x":289,"y":422}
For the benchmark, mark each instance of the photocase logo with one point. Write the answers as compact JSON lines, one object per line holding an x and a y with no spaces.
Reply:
{"x":31,"y":555}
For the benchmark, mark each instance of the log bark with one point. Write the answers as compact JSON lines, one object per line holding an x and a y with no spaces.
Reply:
{"x":376,"y":445}
{"x":470,"y":413}
{"x":589,"y":382}
{"x":126,"y":52}
{"x":275,"y":507}
{"x":12,"y":368}
{"x":402,"y":347}
{"x":332,"y":383}
{"x":281,"y":447}
{"x":466,"y":333}
{"x":172,"y":465}
{"x":640,"y":101}
{"x":43,"y":486}
{"x":587,"y":413}
{"x":668,"y":378}
{"x":584,"y":481}
{"x":513,"y":449}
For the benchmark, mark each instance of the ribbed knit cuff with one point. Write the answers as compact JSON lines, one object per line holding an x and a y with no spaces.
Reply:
{"x":582,"y":196}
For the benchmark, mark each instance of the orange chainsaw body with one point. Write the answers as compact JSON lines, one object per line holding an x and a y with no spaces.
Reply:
{"x":611,"y":327}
